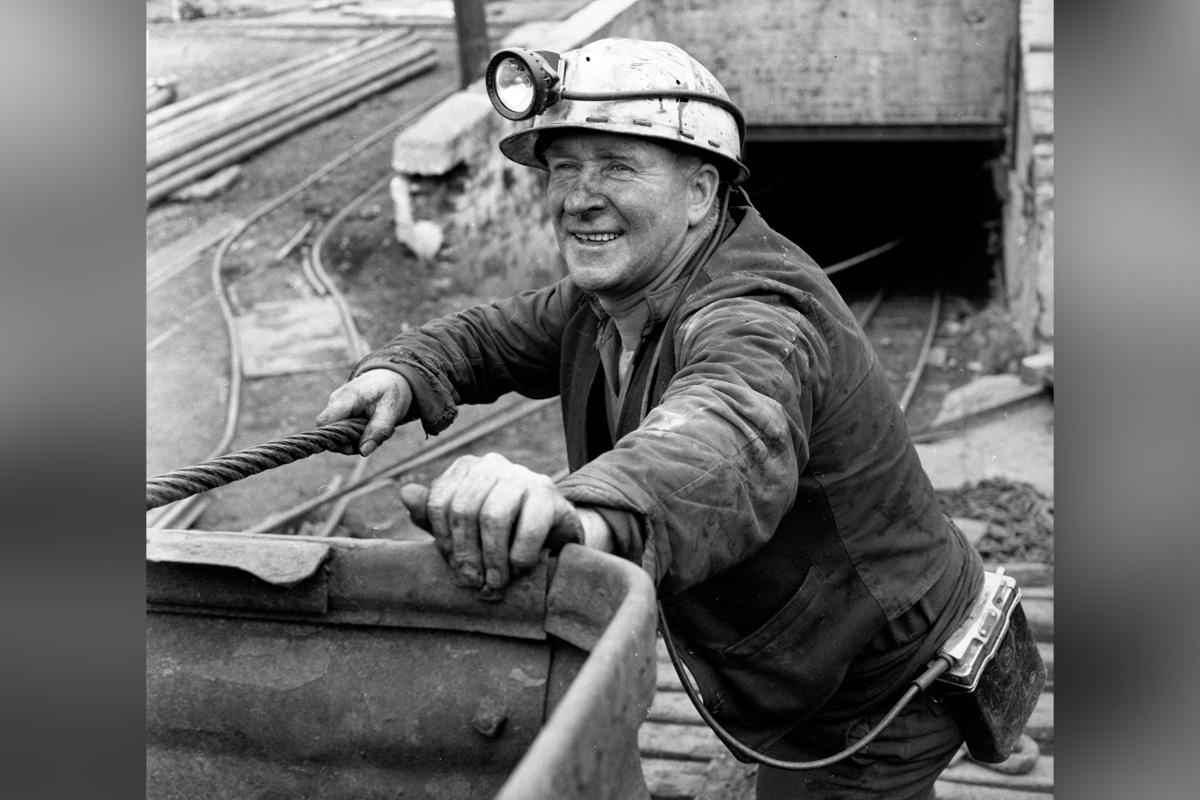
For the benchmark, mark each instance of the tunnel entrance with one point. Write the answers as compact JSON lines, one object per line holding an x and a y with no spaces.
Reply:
{"x":837,"y":199}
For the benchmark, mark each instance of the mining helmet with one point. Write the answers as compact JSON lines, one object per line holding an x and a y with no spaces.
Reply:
{"x":640,"y":88}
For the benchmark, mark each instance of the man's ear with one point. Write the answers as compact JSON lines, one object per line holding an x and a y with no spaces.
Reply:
{"x":702,"y":192}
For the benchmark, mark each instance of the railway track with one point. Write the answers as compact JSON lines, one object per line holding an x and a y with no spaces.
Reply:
{"x":901,"y":327}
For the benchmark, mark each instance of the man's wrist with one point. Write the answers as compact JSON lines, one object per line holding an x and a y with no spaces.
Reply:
{"x":596,"y":533}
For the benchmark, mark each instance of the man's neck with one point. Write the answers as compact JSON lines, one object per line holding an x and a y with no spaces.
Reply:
{"x":630,"y":312}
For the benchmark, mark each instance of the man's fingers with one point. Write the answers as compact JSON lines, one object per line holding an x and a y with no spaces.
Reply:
{"x":464,"y":517}
{"x":537,"y":516}
{"x":378,"y":430}
{"x":385,"y":415}
{"x":567,"y":527}
{"x":437,"y":506}
{"x":496,"y":519}
{"x":343,"y":404}
{"x":491,"y":518}
{"x":379,"y":394}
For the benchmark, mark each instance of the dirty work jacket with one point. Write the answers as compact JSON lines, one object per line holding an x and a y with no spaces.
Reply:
{"x":763,"y":474}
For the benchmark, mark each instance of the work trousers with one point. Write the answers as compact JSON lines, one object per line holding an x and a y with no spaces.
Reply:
{"x":902,"y":763}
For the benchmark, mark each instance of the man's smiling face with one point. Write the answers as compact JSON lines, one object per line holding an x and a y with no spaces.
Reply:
{"x":620,"y":209}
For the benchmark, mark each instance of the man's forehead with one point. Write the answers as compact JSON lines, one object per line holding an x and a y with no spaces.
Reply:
{"x":602,"y":145}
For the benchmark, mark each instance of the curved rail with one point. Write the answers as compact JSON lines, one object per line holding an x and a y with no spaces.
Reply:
{"x":923,"y":356}
{"x":315,"y":260}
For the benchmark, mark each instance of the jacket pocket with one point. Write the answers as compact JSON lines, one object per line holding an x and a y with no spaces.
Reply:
{"x":775,"y":628}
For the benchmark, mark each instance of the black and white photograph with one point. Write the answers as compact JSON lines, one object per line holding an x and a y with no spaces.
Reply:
{"x":605,"y":399}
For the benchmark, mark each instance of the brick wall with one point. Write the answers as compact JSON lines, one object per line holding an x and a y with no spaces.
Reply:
{"x":1029,"y":216}
{"x":843,"y":62}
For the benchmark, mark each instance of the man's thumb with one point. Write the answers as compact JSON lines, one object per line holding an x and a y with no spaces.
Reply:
{"x":414,"y":496}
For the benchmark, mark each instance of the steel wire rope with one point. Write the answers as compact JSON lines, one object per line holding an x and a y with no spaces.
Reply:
{"x":190,"y":481}
{"x":233,"y":396}
{"x":384,"y":478}
{"x":837,"y":267}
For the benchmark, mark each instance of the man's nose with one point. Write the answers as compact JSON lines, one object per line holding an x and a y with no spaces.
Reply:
{"x":583,"y":196}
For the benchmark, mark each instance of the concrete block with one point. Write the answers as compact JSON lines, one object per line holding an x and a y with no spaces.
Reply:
{"x":1018,"y":445}
{"x":1043,"y":164}
{"x":1041,"y":114}
{"x":1039,"y":72}
{"x":453,"y":132}
{"x":972,"y":529}
{"x":1038,"y":369}
{"x":984,"y":393}
{"x":284,"y":337}
{"x":1037,"y":24}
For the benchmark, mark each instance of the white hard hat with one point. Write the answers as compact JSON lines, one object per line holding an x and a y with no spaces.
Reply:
{"x":653,"y":90}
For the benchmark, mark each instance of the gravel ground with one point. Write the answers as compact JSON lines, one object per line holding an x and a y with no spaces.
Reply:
{"x":1020,"y":519}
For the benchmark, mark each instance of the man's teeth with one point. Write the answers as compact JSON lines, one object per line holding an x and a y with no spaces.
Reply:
{"x":596,"y":237}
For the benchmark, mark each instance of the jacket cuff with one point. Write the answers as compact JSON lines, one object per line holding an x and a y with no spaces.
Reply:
{"x":433,"y":399}
{"x":630,"y":526}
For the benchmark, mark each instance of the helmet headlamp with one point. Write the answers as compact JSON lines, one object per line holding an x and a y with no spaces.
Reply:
{"x":522,"y":83}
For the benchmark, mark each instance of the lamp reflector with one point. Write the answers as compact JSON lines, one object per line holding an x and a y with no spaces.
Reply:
{"x":514,"y":86}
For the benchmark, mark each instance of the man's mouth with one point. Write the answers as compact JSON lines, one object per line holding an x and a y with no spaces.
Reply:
{"x":595,"y":238}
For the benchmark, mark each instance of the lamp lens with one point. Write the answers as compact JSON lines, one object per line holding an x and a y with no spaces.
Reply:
{"x":514,"y":85}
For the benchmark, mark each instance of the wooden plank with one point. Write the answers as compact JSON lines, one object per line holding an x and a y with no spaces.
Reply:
{"x":169,"y":260}
{"x":673,"y":707}
{"x":1029,"y":574}
{"x":728,"y":779}
{"x":1047,"y":651}
{"x":673,"y":780}
{"x":681,"y":742}
{"x":1041,"y":723}
{"x":1041,"y":779}
{"x":666,"y":678}
{"x":1039,"y":611}
{"x":948,"y":790}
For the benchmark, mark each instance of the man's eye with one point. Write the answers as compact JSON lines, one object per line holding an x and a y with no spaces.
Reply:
{"x":560,"y":167}
{"x":618,"y":167}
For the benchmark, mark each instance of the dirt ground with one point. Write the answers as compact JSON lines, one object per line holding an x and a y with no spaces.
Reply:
{"x":387,"y":287}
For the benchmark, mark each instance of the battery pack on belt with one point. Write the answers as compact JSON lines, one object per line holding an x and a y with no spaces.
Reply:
{"x":996,"y":672}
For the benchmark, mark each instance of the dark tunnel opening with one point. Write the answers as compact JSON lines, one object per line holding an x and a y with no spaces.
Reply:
{"x":839,"y":199}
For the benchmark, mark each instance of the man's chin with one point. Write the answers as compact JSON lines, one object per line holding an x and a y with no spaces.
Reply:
{"x":592,"y":276}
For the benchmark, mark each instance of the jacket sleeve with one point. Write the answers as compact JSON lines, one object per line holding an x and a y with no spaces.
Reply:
{"x":708,"y":475}
{"x":478,"y":355}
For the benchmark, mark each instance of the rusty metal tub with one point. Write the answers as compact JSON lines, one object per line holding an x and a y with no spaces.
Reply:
{"x":290,"y":667}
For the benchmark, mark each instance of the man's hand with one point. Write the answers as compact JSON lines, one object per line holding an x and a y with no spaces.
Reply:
{"x":380,"y":394}
{"x":490,"y":518}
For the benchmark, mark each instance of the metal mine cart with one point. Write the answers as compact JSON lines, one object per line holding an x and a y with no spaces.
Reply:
{"x":294,"y":667}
